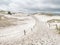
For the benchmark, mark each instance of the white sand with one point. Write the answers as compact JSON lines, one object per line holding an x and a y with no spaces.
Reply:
{"x":40,"y":34}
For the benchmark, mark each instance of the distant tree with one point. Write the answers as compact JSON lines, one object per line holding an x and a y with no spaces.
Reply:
{"x":9,"y":13}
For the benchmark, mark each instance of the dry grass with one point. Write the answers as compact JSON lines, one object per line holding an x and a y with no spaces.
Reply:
{"x":58,"y":30}
{"x":54,"y":20}
{"x":57,"y":26}
{"x":6,"y":22}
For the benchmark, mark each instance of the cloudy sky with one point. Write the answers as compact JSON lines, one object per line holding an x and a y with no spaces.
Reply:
{"x":30,"y":5}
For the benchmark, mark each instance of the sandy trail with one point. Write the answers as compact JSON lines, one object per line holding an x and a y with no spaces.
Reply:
{"x":42,"y":36}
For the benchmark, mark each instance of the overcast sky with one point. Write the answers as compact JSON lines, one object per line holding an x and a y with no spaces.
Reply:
{"x":30,"y":5}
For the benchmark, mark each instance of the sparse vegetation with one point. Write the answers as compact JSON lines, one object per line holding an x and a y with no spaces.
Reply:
{"x":47,"y":14}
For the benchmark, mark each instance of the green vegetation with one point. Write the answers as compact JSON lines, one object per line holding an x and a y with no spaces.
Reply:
{"x":9,"y":13}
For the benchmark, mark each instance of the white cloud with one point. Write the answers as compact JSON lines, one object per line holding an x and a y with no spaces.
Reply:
{"x":3,"y":7}
{"x":27,"y":5}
